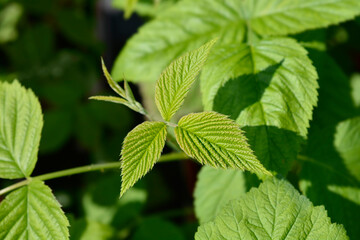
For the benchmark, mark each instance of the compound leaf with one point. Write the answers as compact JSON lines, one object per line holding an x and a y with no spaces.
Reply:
{"x":189,"y":24}
{"x":21,"y":123}
{"x":141,"y":149}
{"x":275,"y":210}
{"x":215,"y":140}
{"x":214,"y":189}
{"x":32,"y":212}
{"x":176,"y":80}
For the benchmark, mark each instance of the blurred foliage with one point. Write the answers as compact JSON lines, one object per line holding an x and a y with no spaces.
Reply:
{"x":145,"y":8}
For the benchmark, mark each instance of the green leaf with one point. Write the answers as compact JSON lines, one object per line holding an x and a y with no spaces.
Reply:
{"x":275,"y":82}
{"x":347,"y":144}
{"x":214,"y":189}
{"x":32,"y":212}
{"x":141,"y":150}
{"x":176,"y":80}
{"x":215,"y":140}
{"x":270,"y":87}
{"x":324,"y":177}
{"x":154,"y":228}
{"x":189,"y":24}
{"x":114,"y":86}
{"x":21,"y":122}
{"x":283,"y":17}
{"x":275,"y":210}
{"x":325,"y":180}
{"x":184,"y":27}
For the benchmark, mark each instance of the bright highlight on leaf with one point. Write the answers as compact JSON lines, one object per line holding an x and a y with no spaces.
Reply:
{"x":179,"y":29}
{"x":32,"y":212}
{"x":21,"y":123}
{"x":141,"y":150}
{"x":282,"y":17}
{"x":176,"y":80}
{"x":275,"y":211}
{"x":215,"y":140}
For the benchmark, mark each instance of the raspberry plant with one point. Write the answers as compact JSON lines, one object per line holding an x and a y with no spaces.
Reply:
{"x":266,"y":93}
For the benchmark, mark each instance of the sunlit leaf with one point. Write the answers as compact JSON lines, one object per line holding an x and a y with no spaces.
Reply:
{"x":215,"y":140}
{"x":32,"y":212}
{"x":189,"y":24}
{"x":275,"y":210}
{"x":141,"y":149}
{"x":176,"y":80}
{"x":21,"y":122}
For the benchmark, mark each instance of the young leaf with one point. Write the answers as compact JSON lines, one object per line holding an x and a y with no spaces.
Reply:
{"x":114,"y":86}
{"x":214,"y":139}
{"x":32,"y":212}
{"x":21,"y":122}
{"x":176,"y":80}
{"x":275,"y":210}
{"x":190,"y":24}
{"x":214,"y":189}
{"x":141,"y":149}
{"x":126,"y":96}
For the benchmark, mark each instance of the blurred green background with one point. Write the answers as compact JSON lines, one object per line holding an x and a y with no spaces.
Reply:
{"x":54,"y":48}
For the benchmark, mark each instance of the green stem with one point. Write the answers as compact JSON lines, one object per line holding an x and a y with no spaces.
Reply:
{"x":89,"y":168}
{"x":14,"y":186}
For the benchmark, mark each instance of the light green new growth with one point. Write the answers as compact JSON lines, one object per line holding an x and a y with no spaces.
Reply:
{"x":274,"y":211}
{"x":126,"y":96}
{"x":215,"y":140}
{"x":32,"y":212}
{"x":214,"y":189}
{"x":177,"y":78}
{"x":142,"y":148}
{"x":21,"y":123}
{"x":179,"y":30}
